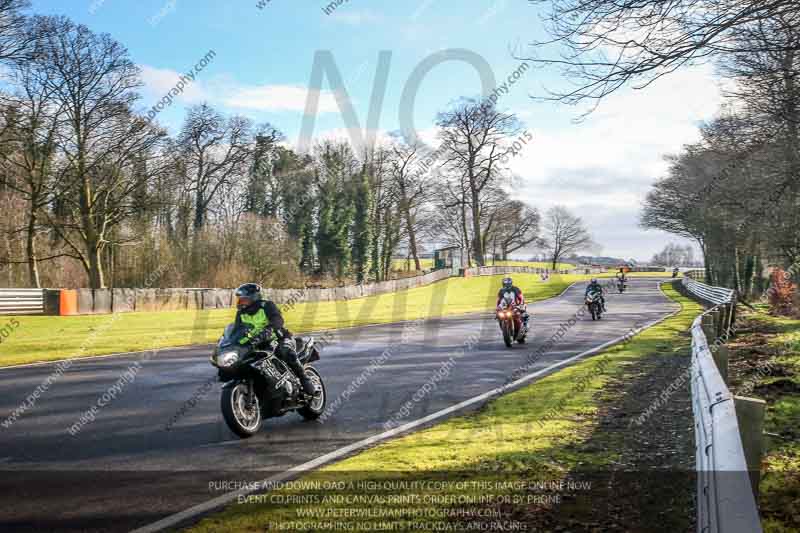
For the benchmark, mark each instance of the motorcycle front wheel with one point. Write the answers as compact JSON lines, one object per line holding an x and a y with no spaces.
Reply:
{"x":242,"y":416}
{"x":507,"y":338}
{"x":314,"y":410}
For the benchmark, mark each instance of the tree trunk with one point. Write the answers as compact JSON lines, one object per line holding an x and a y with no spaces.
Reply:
{"x":477,"y":241}
{"x":30,"y":250}
{"x":465,"y":233}
{"x":199,"y":212}
{"x":412,"y":240}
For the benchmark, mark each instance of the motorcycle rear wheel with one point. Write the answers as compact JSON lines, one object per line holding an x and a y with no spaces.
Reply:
{"x":242,"y":421}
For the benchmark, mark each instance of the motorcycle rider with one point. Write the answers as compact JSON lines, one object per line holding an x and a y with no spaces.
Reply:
{"x":621,"y":276}
{"x":519,"y":300}
{"x":267,"y":325}
{"x":594,"y":286}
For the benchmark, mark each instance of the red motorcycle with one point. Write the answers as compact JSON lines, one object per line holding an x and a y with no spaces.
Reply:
{"x":509,"y":316}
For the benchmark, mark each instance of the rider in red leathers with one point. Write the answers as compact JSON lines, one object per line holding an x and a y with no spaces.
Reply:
{"x":519,"y":299}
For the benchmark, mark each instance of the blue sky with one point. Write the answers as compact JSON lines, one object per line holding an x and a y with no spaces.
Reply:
{"x":600,"y":168}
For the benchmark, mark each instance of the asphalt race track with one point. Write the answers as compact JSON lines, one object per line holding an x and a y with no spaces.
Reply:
{"x":129,"y":467}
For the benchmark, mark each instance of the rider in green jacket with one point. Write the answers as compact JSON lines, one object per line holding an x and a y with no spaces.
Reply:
{"x":266,"y":325}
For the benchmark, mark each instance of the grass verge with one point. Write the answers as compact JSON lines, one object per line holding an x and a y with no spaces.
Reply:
{"x":38,"y":338}
{"x":506,"y":465}
{"x":765,"y":363}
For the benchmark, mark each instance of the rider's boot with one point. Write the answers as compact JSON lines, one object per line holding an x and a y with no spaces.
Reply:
{"x":299,"y":371}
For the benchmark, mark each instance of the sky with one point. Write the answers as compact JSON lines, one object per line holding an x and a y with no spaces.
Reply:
{"x":262,"y":54}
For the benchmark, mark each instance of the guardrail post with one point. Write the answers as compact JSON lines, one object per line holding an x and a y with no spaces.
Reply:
{"x":721,"y":355}
{"x":726,"y":320}
{"x":750,"y":415}
{"x":718,"y":319}
{"x":708,"y":328}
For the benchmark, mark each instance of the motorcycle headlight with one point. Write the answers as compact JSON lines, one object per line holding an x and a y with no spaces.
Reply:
{"x":228,"y":359}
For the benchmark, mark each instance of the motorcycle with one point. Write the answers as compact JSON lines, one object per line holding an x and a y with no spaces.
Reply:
{"x":621,"y":285}
{"x":509,"y":316}
{"x":259,"y":385}
{"x":594,"y":304}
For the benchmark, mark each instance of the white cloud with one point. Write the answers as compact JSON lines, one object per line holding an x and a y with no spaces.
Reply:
{"x":278,"y":98}
{"x":159,"y":82}
{"x":611,"y":159}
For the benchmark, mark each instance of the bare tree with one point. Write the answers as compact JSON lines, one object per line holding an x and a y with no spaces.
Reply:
{"x":476,"y":136}
{"x":27,"y":153}
{"x":517,"y":227}
{"x":607,"y":44}
{"x":413,"y":189}
{"x":215,"y":150}
{"x":16,"y":39}
{"x":102,"y":147}
{"x":565,"y":233}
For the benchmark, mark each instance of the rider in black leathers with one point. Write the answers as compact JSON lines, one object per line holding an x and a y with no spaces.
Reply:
{"x":594,"y":286}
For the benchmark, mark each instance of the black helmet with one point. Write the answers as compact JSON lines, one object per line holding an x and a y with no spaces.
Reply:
{"x":508,"y":283}
{"x":247,"y":295}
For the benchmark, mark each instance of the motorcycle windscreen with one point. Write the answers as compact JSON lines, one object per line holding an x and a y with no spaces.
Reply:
{"x":233,"y":334}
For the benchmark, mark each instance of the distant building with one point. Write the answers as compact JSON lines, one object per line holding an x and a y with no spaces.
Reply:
{"x":450,"y":257}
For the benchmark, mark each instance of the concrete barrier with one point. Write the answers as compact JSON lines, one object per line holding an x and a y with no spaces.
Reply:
{"x":85,"y":301}
{"x":148,"y":300}
{"x":123,"y":300}
{"x":102,"y":301}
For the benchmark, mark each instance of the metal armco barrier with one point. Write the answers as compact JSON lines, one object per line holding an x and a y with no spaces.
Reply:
{"x":21,"y":301}
{"x":725,"y":500}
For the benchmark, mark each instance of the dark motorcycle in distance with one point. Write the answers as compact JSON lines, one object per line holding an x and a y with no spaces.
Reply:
{"x":621,"y":285}
{"x":509,"y":316}
{"x":259,"y":385}
{"x":595,"y":305}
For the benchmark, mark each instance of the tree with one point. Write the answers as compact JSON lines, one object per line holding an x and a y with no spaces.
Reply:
{"x":609,"y":44}
{"x":27,"y":152}
{"x":475,"y":136}
{"x":565,"y":234}
{"x":517,"y":227}
{"x":215,"y":150}
{"x":16,"y":38}
{"x":362,"y":229}
{"x":412,"y":187}
{"x":336,"y":166}
{"x":91,"y":81}
{"x":263,"y":186}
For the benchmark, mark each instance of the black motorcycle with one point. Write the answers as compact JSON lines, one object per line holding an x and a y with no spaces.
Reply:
{"x":259,"y":385}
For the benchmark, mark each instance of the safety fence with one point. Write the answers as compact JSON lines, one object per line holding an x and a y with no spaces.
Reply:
{"x":727,"y":427}
{"x":104,"y":301}
{"x":21,"y":301}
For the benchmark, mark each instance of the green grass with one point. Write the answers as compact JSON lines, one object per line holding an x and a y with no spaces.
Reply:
{"x":39,"y":338}
{"x":534,"y":264}
{"x":406,"y":265}
{"x":513,"y":438}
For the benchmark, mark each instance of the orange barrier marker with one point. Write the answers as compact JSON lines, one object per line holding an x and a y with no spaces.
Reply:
{"x":68,"y":302}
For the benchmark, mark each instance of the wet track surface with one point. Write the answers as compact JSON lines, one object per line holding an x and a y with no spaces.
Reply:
{"x":130,"y":467}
